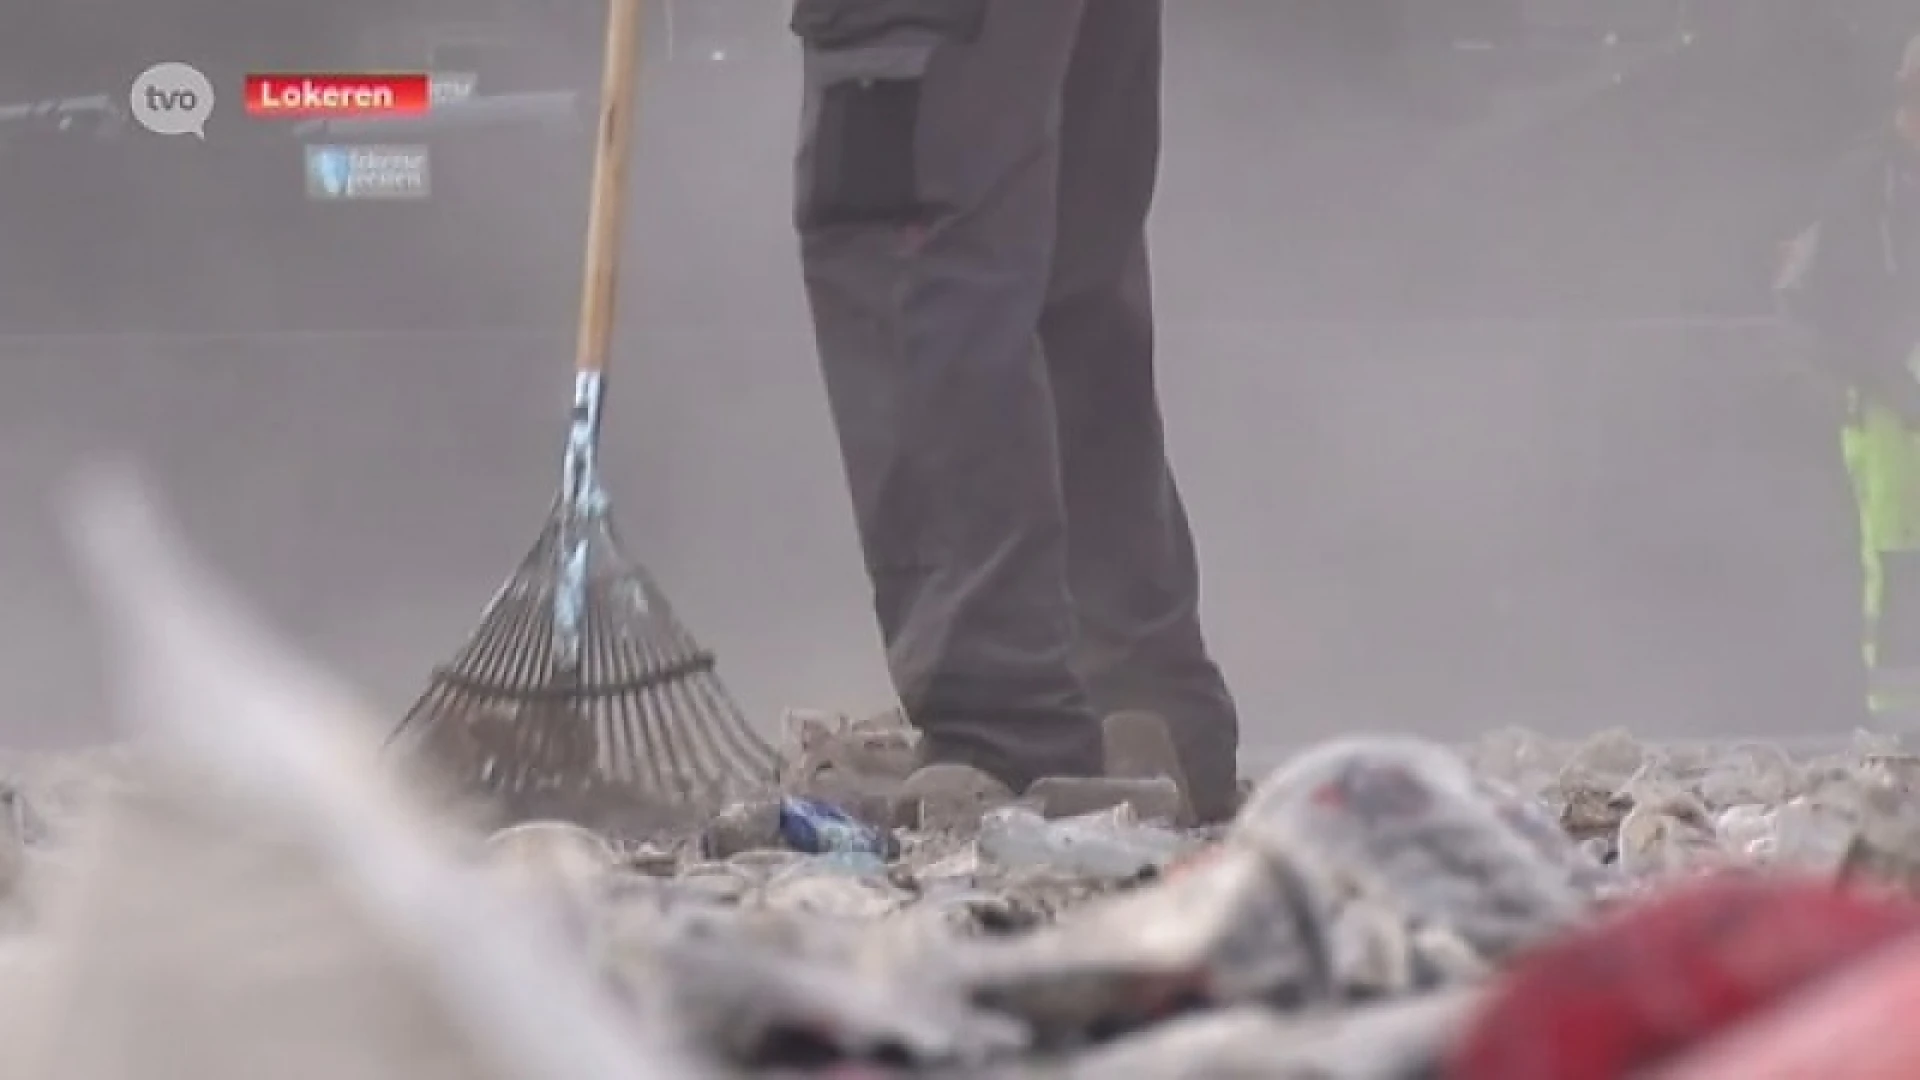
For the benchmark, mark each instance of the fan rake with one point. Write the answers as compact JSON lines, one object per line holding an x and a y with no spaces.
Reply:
{"x":581,"y":694}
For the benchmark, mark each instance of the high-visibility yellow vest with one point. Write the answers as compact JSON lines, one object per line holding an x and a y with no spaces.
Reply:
{"x":1883,"y":458}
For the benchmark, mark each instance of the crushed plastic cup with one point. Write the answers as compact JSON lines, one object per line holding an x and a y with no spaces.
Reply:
{"x":1109,"y":845}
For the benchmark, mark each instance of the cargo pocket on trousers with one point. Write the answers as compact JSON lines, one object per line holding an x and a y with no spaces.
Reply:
{"x":865,"y":64}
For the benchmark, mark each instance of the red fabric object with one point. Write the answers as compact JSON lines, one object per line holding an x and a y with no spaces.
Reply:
{"x":1861,"y":1024}
{"x":1662,"y":974}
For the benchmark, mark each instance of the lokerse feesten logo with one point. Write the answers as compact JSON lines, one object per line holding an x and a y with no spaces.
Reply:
{"x":383,"y":171}
{"x":308,"y":95}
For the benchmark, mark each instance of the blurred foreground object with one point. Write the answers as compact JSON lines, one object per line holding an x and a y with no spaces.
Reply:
{"x":1403,"y":826}
{"x":1858,"y":1026}
{"x":582,"y":696}
{"x":270,"y":903}
{"x":1662,"y":975}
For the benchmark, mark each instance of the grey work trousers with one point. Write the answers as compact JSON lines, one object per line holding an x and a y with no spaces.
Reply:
{"x":973,"y":183}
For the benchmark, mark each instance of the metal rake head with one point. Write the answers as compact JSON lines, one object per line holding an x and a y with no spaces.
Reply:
{"x":581,"y":691}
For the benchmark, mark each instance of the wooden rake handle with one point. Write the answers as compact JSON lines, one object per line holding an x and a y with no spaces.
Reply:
{"x":606,"y":214}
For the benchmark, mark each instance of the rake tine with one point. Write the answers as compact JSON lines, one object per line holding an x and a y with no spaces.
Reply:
{"x":683,"y":702}
{"x":704,"y":773}
{"x":653,"y":713}
{"x":609,"y":671}
{"x":756,"y":755}
{"x":682,"y":643}
{"x":687,"y":704}
{"x":647,"y":754}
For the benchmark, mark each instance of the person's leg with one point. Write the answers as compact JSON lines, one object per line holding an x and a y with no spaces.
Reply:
{"x":1131,"y":556}
{"x":926,"y":197}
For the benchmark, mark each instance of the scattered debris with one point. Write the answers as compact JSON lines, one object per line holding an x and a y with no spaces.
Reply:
{"x":251,"y":889}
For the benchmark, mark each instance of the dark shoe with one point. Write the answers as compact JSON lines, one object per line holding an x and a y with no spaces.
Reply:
{"x":1141,"y":769}
{"x":1156,"y":798}
{"x":1140,"y":743}
{"x":1140,"y":747}
{"x":945,"y":797}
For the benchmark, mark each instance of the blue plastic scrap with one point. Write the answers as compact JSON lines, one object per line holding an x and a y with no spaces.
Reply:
{"x":818,"y":828}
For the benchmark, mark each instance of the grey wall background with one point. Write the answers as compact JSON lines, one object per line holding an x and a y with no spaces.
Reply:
{"x":1439,"y":484}
{"x":1437,"y":529}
